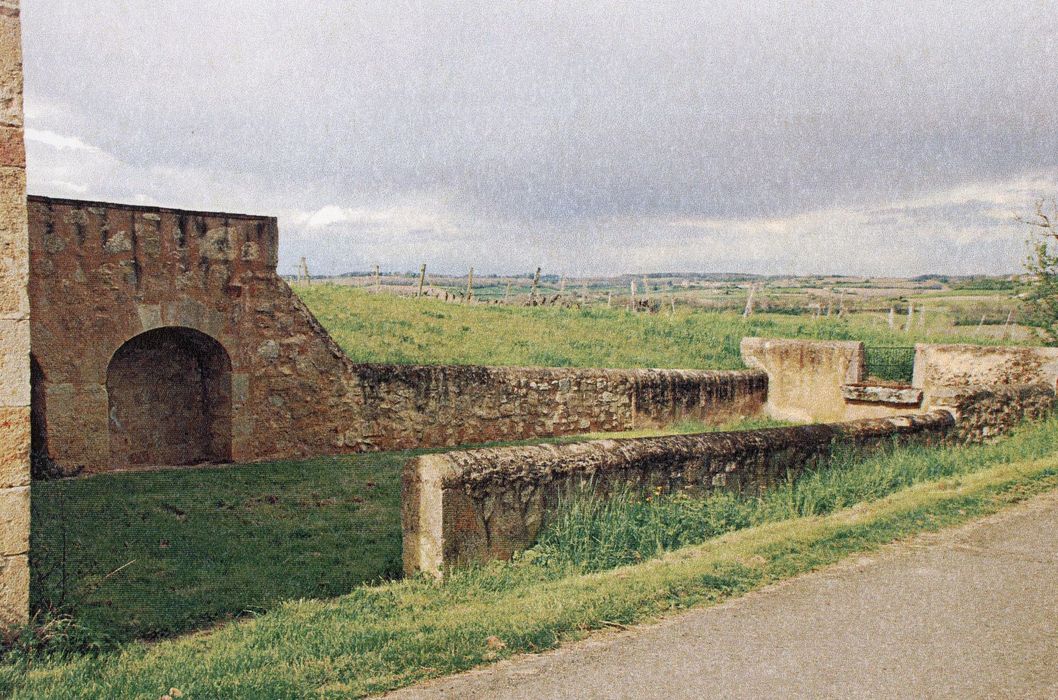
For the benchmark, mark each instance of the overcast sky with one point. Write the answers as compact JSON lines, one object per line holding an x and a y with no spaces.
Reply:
{"x":892,"y":138}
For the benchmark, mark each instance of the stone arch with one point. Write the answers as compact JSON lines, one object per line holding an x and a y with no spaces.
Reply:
{"x":169,"y":399}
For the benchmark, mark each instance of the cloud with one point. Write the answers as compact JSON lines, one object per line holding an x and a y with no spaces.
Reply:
{"x":592,"y":134}
{"x":58,"y":141}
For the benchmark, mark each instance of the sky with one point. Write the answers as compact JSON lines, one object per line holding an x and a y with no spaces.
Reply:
{"x":590,"y":138}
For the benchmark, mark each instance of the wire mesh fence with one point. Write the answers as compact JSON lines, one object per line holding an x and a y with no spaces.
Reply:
{"x":892,"y":364}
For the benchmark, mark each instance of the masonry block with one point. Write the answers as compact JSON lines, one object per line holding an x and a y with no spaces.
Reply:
{"x":14,"y":589}
{"x":14,"y":521}
{"x":14,"y":446}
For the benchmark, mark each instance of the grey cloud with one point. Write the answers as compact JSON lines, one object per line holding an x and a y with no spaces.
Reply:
{"x":540,"y":122}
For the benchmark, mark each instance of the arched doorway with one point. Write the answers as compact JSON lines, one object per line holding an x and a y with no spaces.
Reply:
{"x":169,"y":395}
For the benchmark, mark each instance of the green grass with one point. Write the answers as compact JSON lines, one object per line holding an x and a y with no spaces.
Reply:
{"x":195,"y":546}
{"x":389,"y":635}
{"x":390,"y":329}
{"x":205,"y":544}
{"x":593,"y":533}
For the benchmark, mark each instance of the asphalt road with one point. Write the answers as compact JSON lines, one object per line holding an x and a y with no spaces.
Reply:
{"x":967,"y":613}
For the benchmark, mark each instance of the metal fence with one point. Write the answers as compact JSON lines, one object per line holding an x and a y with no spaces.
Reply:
{"x":894,"y":364}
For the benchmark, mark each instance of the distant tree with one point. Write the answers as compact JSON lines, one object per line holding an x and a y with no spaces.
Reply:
{"x":1042,"y":265}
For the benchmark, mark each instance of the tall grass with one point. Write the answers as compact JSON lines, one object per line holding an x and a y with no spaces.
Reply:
{"x":592,"y":532}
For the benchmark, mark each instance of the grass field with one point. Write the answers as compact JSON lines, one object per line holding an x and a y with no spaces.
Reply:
{"x":391,"y":329}
{"x":196,"y":546}
{"x":388,"y":635}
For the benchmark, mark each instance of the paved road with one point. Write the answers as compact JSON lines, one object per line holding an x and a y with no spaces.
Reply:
{"x":967,"y":613}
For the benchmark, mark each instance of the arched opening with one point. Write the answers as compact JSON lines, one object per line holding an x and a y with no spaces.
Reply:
{"x":169,"y":395}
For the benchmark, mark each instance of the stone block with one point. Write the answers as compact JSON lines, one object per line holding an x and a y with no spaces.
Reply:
{"x":12,"y":147}
{"x":14,"y":590}
{"x":10,"y":65}
{"x":891,"y":395}
{"x":14,"y":520}
{"x":14,"y":363}
{"x":150,"y":315}
{"x":14,"y":244}
{"x":14,"y":446}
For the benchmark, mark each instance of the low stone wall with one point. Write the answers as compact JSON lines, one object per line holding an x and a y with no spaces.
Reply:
{"x":985,"y":412}
{"x":415,"y":406}
{"x":487,"y":504}
{"x":939,"y":366}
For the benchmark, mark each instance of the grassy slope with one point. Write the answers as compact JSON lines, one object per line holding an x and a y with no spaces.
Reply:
{"x":208,"y":544}
{"x":385,"y":328}
{"x":390,"y":635}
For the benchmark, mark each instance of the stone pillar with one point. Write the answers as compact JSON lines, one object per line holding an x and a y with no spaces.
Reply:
{"x":14,"y":329}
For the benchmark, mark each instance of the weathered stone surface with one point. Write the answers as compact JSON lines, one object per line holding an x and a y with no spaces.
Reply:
{"x":14,"y":363}
{"x":406,"y":406}
{"x":14,"y":520}
{"x":805,"y":377}
{"x":14,"y":258}
{"x":10,"y":65}
{"x":14,"y":446}
{"x":987,"y":412}
{"x":486,"y":504}
{"x":938,"y":366}
{"x":878,"y":393}
{"x":14,"y":589}
{"x":12,"y":147}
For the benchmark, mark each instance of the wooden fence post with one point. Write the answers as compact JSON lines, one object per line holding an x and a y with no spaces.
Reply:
{"x":748,"y":311}
{"x":422,"y":279}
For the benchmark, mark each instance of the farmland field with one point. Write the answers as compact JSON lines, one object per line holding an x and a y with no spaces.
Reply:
{"x":387,"y":328}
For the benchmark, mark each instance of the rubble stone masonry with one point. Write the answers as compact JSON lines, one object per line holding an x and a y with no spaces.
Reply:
{"x":165,"y":337}
{"x":478,"y":505}
{"x":14,"y":330}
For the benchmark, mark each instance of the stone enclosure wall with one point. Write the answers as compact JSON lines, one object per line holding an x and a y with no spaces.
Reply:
{"x":412,"y":406}
{"x":478,"y":505}
{"x":165,"y":337}
{"x":827,"y":380}
{"x":938,"y":366}
{"x":14,"y":329}
{"x":462,"y":507}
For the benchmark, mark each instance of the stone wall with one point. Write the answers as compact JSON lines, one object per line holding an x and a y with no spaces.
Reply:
{"x":986,"y":412}
{"x":104,"y":277}
{"x":14,"y":330}
{"x":118,"y":293}
{"x":486,"y":504}
{"x":806,"y":379}
{"x":414,"y":406}
{"x":939,"y":366}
